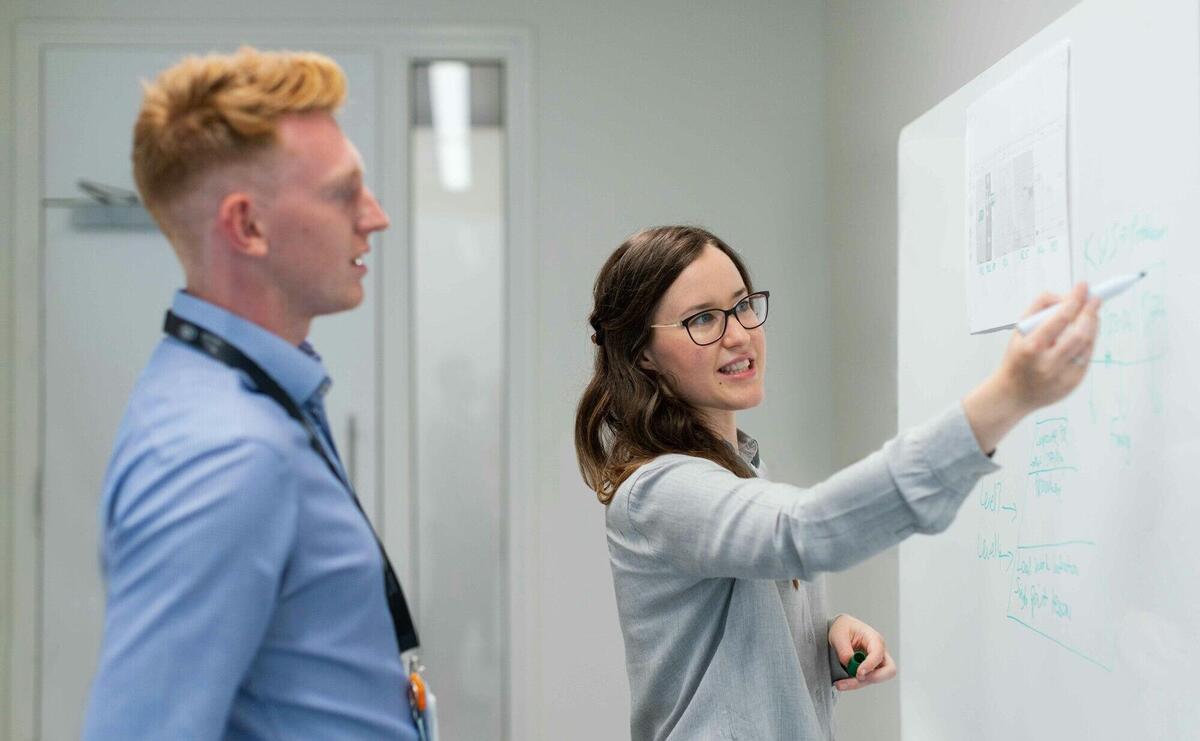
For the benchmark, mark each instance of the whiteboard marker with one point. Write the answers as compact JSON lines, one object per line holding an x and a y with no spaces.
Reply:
{"x":852,"y":666}
{"x":1102,"y":291}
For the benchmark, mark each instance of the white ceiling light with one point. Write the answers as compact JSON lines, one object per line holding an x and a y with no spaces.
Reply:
{"x":450,"y":96}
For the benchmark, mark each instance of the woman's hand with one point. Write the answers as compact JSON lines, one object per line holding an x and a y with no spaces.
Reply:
{"x":1037,"y":369}
{"x":849,"y":634}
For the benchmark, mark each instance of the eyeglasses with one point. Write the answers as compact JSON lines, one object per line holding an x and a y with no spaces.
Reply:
{"x":709,"y":326}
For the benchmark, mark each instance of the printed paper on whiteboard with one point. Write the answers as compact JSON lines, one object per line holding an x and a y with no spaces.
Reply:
{"x":1018,"y":243}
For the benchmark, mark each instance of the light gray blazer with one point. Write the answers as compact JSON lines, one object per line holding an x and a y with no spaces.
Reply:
{"x":718,"y":644}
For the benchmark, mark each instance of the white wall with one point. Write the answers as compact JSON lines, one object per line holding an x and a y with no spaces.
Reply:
{"x":6,"y":390}
{"x":645,"y":113}
{"x":888,"y":62}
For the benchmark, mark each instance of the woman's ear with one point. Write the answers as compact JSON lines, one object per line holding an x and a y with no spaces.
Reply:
{"x":646,"y":362}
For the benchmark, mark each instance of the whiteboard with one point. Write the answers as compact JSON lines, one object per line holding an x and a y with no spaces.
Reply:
{"x":1064,"y":601}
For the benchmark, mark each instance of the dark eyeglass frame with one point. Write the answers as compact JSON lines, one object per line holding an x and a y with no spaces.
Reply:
{"x":725,"y":314}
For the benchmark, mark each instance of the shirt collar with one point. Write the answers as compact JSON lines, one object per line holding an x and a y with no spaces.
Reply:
{"x":747,"y":448}
{"x":298,"y":370}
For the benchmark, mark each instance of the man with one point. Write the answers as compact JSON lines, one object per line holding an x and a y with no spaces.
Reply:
{"x":246,"y":590}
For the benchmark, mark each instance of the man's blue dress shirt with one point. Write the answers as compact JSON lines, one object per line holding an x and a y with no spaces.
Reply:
{"x":245,"y":589}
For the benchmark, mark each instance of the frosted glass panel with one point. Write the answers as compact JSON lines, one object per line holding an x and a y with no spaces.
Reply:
{"x":458,"y":324}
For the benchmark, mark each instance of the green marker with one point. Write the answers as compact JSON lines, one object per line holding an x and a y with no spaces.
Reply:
{"x":852,"y":666}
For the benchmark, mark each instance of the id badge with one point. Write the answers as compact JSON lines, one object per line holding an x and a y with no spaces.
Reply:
{"x":422,"y":703}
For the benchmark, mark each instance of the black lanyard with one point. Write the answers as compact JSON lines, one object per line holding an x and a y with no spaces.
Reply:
{"x":217,"y":348}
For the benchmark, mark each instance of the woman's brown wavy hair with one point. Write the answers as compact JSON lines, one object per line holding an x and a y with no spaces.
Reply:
{"x":628,"y":414}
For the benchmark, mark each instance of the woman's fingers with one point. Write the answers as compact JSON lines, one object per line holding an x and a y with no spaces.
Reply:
{"x":1046,"y":365}
{"x":1075,"y":342}
{"x":875,"y":649}
{"x":884,"y":670}
{"x":847,"y":635}
{"x":1048,"y":331}
{"x":839,"y":638}
{"x":1041,"y":302}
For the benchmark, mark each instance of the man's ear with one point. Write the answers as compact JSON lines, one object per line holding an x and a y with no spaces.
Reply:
{"x":239,"y":222}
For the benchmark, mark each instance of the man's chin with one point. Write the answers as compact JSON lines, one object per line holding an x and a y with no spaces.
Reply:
{"x":346,"y":304}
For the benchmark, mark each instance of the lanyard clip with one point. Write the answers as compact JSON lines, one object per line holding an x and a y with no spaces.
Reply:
{"x":418,"y":696}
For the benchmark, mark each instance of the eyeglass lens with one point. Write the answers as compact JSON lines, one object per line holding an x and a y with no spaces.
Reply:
{"x":707,"y":327}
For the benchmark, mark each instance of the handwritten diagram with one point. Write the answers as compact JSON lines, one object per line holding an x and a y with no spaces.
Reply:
{"x":1045,"y":524}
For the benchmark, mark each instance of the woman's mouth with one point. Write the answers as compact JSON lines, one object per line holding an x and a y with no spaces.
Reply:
{"x":737,"y":368}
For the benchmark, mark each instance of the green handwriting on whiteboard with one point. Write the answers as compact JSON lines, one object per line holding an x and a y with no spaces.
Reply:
{"x":1040,"y":526}
{"x":1105,"y":245}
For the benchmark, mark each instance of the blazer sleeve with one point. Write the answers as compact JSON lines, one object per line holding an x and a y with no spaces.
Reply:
{"x":691,"y":516}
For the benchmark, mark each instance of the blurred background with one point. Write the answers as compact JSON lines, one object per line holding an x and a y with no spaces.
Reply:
{"x":515,"y":145}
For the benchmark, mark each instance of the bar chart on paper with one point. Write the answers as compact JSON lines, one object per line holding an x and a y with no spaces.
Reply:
{"x":1017,"y":167}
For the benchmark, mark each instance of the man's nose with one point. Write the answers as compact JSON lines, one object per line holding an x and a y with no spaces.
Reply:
{"x":373,"y":218}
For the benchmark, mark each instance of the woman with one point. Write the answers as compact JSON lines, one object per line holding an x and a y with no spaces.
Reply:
{"x":717,"y":569}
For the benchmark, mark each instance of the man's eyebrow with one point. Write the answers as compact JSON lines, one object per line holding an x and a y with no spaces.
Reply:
{"x":708,"y":305}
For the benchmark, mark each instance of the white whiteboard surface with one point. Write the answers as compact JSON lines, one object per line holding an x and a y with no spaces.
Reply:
{"x":1064,"y":602}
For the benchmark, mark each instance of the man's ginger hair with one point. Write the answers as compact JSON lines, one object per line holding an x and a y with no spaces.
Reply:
{"x":210,"y":111}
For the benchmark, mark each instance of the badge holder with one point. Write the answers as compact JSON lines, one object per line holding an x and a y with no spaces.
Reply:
{"x":421,"y":702}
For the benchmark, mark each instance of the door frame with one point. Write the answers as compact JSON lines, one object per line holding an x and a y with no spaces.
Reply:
{"x":395,"y":45}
